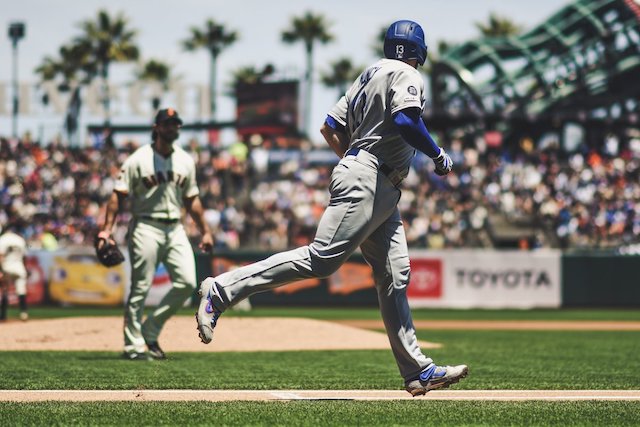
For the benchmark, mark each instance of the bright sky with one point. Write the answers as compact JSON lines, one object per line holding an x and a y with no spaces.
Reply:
{"x":163,"y":24}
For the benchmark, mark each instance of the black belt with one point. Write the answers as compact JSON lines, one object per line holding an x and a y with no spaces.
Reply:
{"x":393,"y":175}
{"x":162,"y":220}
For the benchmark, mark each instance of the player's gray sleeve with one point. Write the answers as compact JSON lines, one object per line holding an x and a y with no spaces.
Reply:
{"x":339,"y":111}
{"x":407,"y":88}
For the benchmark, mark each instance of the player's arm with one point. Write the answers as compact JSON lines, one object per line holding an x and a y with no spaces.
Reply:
{"x":111,"y":213}
{"x":335,"y":135}
{"x":193,"y":205}
{"x":413,"y":130}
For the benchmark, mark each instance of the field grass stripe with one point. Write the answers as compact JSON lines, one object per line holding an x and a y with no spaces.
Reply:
{"x":286,"y":395}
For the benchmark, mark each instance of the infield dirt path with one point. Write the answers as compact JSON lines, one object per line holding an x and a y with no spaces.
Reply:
{"x":254,"y":334}
{"x":180,"y":334}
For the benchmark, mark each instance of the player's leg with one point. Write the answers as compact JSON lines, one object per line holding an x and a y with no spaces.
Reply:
{"x":4,"y":296}
{"x":386,"y":252}
{"x":359,"y":203}
{"x":179,"y":260}
{"x":144,"y":242}
{"x":21,"y":291}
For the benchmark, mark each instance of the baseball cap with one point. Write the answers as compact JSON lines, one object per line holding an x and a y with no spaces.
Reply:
{"x":167,"y":114}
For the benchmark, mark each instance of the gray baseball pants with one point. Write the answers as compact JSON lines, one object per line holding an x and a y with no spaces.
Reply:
{"x":362,"y":212}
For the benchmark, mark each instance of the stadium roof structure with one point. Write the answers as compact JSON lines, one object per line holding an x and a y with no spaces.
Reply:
{"x":583,"y":62}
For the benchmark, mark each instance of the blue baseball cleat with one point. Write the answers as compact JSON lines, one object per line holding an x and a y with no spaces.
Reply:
{"x":207,"y":315}
{"x":435,"y":377}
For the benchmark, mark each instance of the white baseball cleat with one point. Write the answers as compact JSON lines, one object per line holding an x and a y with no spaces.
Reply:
{"x":435,"y":377}
{"x":207,"y":315}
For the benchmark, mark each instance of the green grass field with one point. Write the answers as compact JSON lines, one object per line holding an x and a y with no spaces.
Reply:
{"x":537,"y":360}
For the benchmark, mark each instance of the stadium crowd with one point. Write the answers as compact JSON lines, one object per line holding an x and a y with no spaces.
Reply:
{"x":586,"y":199}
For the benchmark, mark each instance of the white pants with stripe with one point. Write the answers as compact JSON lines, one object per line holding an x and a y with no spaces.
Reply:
{"x":150,"y":243}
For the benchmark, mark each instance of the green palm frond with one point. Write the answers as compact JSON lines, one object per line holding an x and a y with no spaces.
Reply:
{"x":215,"y":38}
{"x":308,"y":28}
{"x":498,"y":26}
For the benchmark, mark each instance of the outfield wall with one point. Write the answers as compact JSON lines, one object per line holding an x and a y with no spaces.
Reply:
{"x":600,"y":280}
{"x":485,"y":279}
{"x":443,"y":279}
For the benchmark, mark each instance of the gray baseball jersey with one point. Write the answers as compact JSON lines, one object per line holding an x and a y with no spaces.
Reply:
{"x":362,"y":211}
{"x":156,"y":186}
{"x":366,"y":110}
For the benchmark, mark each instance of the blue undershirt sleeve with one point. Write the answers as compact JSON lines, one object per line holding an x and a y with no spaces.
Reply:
{"x":413,"y":130}
{"x":333,"y":124}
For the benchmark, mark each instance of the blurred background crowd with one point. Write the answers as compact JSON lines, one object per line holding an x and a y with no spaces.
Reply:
{"x":54,"y":194}
{"x":542,"y":123}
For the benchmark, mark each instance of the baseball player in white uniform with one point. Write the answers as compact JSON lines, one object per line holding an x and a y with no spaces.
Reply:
{"x":376,"y":128}
{"x":159,"y":179}
{"x":13,"y":249}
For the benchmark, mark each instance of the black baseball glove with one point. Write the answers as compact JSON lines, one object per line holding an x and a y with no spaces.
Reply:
{"x":107,"y":251}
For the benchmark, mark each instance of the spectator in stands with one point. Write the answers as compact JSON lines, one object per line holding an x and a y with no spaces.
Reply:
{"x":585,"y":199}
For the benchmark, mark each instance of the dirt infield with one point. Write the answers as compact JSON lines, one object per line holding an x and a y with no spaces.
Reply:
{"x":179,"y":334}
{"x":289,"y":395}
{"x":254,"y":334}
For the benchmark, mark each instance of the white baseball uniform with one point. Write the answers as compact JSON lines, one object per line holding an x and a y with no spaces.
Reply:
{"x":156,"y":186}
{"x":13,"y":249}
{"x":362,"y":210}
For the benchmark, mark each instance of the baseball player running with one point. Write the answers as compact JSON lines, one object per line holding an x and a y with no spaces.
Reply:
{"x":376,"y":128}
{"x":159,"y":179}
{"x":13,"y":250}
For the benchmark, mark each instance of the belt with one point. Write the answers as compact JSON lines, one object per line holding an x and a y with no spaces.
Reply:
{"x":162,"y":220}
{"x":393,"y":175}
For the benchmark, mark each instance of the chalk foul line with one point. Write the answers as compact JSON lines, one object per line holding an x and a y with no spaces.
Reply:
{"x":291,"y":395}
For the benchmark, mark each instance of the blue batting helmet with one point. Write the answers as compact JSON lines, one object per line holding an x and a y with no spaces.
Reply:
{"x":405,"y":40}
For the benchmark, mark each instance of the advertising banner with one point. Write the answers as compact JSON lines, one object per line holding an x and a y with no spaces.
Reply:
{"x":485,"y":279}
{"x":77,"y":278}
{"x":444,"y":279}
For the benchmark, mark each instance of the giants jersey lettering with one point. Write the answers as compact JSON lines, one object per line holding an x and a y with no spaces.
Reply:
{"x":367,"y":109}
{"x":157,"y":185}
{"x":162,"y":178}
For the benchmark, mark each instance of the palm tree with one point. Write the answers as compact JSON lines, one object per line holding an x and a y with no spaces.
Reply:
{"x":215,"y":38}
{"x":341,"y":74}
{"x":73,"y":66}
{"x":155,"y":71}
{"x":309,"y":29}
{"x":108,"y":39}
{"x":251,"y":75}
{"x":71,"y":71}
{"x":498,"y":26}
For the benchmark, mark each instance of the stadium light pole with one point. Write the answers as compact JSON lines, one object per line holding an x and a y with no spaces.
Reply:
{"x":16,"y":32}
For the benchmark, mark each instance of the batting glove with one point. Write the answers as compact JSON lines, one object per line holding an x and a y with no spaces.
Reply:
{"x":443,"y":163}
